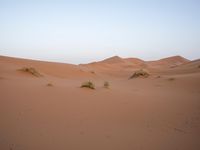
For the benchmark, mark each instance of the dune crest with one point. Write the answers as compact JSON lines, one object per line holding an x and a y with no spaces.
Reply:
{"x":97,"y":106}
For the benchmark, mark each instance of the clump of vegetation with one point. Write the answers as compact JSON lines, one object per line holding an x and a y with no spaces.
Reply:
{"x":158,"y":76}
{"x":92,"y":72}
{"x":31,"y":71}
{"x":140,"y":73}
{"x":173,"y":66}
{"x":49,"y":84}
{"x":88,"y":84}
{"x":171,"y":79}
{"x":106,"y":84}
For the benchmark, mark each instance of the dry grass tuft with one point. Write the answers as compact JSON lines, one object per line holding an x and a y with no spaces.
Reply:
{"x":49,"y":84}
{"x":88,"y":84}
{"x":31,"y":71}
{"x":92,"y":72}
{"x":106,"y":84}
{"x":140,"y":73}
{"x":171,"y":79}
{"x":158,"y":76}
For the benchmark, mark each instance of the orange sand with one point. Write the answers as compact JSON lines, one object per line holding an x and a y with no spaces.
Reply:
{"x":161,"y":112}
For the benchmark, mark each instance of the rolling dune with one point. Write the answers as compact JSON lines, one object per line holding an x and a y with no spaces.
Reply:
{"x":52,"y":112}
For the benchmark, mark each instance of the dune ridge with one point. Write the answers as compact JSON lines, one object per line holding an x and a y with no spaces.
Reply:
{"x":158,"y":112}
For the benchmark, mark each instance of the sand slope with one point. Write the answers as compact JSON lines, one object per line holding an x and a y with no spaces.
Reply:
{"x":123,"y":67}
{"x":168,"y":62}
{"x":154,"y":113}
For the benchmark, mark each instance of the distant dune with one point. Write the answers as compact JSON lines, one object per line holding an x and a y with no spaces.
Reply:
{"x":121,"y":67}
{"x":169,"y":62}
{"x":147,"y":105}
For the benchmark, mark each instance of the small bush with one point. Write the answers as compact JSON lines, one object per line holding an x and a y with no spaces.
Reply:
{"x":88,"y":84}
{"x":49,"y":84}
{"x":140,"y":73}
{"x":158,"y":76}
{"x":92,"y":72}
{"x":31,"y":70}
{"x":171,"y":79}
{"x":106,"y":84}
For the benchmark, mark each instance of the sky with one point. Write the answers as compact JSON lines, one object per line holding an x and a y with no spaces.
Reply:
{"x":82,"y":31}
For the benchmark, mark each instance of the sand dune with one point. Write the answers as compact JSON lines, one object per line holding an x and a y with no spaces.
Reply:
{"x":160,"y":112}
{"x":168,"y":62}
{"x":123,"y":67}
{"x":53,"y":69}
{"x":190,"y":67}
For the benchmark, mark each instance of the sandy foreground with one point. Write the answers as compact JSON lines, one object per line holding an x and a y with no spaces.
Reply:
{"x":161,"y":112}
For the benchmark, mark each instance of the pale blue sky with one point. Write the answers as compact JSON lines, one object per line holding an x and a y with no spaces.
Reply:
{"x":80,"y":31}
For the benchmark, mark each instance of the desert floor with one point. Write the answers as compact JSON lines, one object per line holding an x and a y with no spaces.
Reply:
{"x":161,"y":112}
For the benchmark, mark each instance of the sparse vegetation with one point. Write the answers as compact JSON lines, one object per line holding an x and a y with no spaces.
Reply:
{"x":88,"y":84}
{"x":92,"y":72}
{"x":173,"y":66}
{"x":140,"y":73}
{"x":49,"y":84}
{"x":171,"y":79}
{"x":31,"y":70}
{"x":158,"y":76}
{"x":106,"y":84}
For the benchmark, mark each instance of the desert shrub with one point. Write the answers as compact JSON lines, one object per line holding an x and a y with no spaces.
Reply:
{"x":158,"y":76}
{"x":171,"y":79}
{"x":140,"y":73}
{"x":173,"y":66}
{"x":31,"y":71}
{"x":88,"y":84}
{"x":92,"y":72}
{"x":106,"y":84}
{"x":49,"y":84}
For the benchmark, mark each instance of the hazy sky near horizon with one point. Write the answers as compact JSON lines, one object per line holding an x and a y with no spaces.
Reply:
{"x":81,"y":31}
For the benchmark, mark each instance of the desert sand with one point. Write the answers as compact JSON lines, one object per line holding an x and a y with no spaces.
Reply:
{"x":52,"y":112}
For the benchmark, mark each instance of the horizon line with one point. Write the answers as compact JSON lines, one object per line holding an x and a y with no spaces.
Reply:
{"x":61,"y":62}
